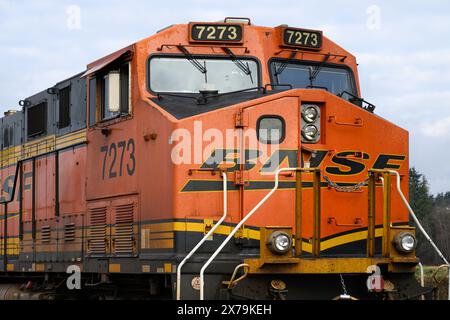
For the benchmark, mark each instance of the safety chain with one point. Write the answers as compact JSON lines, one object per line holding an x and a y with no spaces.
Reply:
{"x":352,"y":188}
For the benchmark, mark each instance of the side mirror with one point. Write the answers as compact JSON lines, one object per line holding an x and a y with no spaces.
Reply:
{"x":113,"y":91}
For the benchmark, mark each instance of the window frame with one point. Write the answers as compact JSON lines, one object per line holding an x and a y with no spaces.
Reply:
{"x":102,"y":75}
{"x":69,"y":107}
{"x":197,"y":56}
{"x":97,"y":97}
{"x":273,"y":79}
{"x":45,"y":129}
{"x":92,"y":103}
{"x":103,"y":94}
{"x":9,"y":137}
{"x":273,"y":116}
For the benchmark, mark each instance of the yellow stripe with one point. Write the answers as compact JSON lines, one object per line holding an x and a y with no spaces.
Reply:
{"x":13,"y":247}
{"x":255,"y":235}
{"x":167,"y":267}
{"x":161,"y":244}
{"x":162,"y":235}
{"x":114,"y":267}
{"x":43,"y":145}
{"x":347,"y":238}
{"x":166,"y":229}
{"x":199,"y":227}
{"x":39,"y":267}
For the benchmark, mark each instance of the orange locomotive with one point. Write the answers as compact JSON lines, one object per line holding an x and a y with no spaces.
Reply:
{"x":240,"y":157}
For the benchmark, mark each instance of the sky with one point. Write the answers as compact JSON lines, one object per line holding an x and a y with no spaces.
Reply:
{"x":402,"y":47}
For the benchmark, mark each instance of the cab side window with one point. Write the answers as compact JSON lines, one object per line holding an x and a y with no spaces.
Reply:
{"x":110,"y":107}
{"x":109,"y":94}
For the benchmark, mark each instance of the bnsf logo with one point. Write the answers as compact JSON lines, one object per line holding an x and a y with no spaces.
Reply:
{"x":342,"y":163}
{"x":345,"y":163}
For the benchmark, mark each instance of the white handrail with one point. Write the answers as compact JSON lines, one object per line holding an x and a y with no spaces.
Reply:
{"x":422,"y":279}
{"x":225,"y":212}
{"x":238,"y":226}
{"x":416,"y":220}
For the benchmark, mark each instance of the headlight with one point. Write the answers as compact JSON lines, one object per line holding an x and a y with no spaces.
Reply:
{"x":310,"y":114}
{"x":279,"y":242}
{"x":310,"y":132}
{"x":405,"y":242}
{"x":310,"y":123}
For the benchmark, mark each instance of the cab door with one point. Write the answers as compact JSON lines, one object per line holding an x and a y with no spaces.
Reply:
{"x":112,"y":189}
{"x":271,"y":141}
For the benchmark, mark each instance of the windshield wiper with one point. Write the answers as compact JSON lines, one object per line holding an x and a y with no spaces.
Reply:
{"x":284,"y":64}
{"x":263,"y":90}
{"x":197,"y":64}
{"x":160,"y":96}
{"x":313,"y":74}
{"x":205,"y":97}
{"x":244,"y":67}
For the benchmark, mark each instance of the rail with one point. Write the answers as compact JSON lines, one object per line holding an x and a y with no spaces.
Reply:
{"x":211,"y":232}
{"x":422,"y":279}
{"x":316,"y":228}
{"x":419,"y":225}
{"x":386,"y":211}
{"x":385,"y":244}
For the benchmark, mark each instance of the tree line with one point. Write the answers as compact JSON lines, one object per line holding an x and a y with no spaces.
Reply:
{"x":434,"y":214}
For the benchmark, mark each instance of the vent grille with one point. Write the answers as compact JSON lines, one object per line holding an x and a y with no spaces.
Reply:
{"x":123,"y":239}
{"x":69,"y":232}
{"x":97,"y":232}
{"x":45,"y":234}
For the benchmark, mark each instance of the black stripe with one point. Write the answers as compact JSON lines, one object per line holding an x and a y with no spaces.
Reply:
{"x":216,"y":185}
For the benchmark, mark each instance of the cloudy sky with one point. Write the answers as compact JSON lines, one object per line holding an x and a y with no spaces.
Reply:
{"x":403,"y":48}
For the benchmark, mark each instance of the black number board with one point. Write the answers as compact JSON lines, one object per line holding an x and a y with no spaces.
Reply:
{"x":216,"y":32}
{"x":302,"y":38}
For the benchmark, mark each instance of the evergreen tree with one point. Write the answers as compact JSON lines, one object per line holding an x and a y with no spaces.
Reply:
{"x":422,"y":204}
{"x":419,"y":195}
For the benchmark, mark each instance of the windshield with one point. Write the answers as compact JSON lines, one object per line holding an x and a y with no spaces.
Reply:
{"x":174,"y":75}
{"x":334,"y":79}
